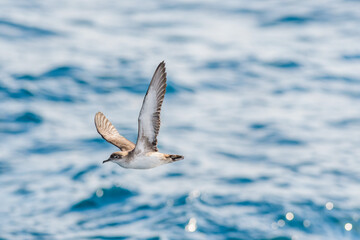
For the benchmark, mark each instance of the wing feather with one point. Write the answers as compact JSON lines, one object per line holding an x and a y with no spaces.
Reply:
{"x":110,"y":134}
{"x":149,"y":117}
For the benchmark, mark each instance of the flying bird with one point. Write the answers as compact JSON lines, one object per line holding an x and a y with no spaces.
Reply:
{"x":145,"y":153}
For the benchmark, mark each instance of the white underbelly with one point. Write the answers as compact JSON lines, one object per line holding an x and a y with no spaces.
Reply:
{"x":146,"y":161}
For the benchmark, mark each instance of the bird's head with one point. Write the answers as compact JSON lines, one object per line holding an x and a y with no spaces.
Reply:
{"x":116,"y":157}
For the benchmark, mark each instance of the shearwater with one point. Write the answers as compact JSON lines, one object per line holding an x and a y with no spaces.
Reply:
{"x":145,"y":153}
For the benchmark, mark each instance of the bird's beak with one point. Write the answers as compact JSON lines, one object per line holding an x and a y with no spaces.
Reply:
{"x":108,"y":160}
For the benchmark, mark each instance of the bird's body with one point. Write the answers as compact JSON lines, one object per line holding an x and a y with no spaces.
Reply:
{"x":145,"y":161}
{"x":144,"y":154}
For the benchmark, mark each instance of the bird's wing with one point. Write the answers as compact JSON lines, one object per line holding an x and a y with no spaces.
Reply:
{"x":149,"y":117}
{"x":110,"y":134}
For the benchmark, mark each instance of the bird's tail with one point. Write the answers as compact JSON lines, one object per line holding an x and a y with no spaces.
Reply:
{"x":176,"y":157}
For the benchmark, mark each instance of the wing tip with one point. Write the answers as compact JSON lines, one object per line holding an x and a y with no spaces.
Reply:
{"x":162,"y":65}
{"x":99,"y":114}
{"x":97,"y":117}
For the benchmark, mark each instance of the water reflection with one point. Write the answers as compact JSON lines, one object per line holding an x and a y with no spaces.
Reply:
{"x":191,"y":226}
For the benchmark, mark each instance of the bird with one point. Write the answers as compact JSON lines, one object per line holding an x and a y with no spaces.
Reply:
{"x":144,"y":154}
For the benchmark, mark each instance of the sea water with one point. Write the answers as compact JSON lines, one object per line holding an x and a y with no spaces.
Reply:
{"x":263,"y":100}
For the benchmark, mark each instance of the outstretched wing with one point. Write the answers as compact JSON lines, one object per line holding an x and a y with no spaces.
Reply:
{"x":110,"y":134}
{"x":149,"y":117}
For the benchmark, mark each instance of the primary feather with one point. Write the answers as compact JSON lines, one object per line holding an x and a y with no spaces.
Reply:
{"x":110,"y":134}
{"x":149,"y":117}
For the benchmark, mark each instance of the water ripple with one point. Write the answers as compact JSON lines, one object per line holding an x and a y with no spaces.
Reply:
{"x":103,"y":197}
{"x":12,"y":30}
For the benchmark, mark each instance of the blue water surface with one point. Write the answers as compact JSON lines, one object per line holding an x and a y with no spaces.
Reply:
{"x":263,"y":100}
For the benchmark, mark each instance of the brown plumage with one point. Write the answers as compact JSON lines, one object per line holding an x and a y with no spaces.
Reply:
{"x":110,"y":134}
